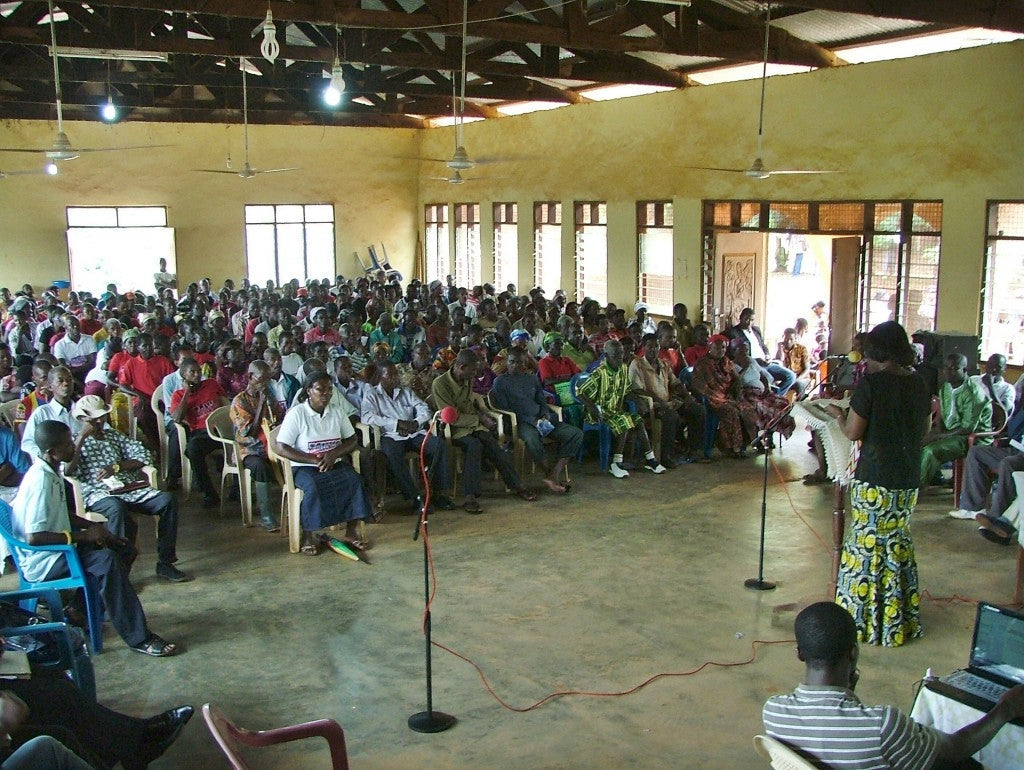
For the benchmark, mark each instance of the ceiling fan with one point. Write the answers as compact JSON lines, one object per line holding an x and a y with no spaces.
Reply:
{"x":247,"y":171}
{"x":453,"y":178}
{"x":49,"y":169}
{"x":757,"y":169}
{"x":460,"y":160}
{"x":62,"y":149}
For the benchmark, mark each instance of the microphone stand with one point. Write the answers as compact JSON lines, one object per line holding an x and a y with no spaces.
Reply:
{"x":759,"y":583}
{"x":428,"y":721}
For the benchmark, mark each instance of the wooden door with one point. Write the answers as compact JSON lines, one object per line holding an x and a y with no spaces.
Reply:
{"x":843,"y":297}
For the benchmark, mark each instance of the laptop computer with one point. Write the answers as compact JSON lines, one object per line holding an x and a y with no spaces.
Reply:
{"x":996,"y":662}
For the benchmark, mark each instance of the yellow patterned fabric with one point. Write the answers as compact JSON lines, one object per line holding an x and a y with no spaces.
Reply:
{"x":878,"y":582}
{"x":608,"y":388}
{"x":121,"y":412}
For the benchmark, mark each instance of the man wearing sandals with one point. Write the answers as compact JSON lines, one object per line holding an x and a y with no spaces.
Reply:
{"x":472,"y":431}
{"x":40,"y":517}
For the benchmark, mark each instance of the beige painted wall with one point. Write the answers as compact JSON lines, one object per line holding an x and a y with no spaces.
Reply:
{"x":363,"y":172}
{"x":947,"y":127}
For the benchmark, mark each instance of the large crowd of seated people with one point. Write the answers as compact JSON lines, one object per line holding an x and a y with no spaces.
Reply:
{"x":341,"y":380}
{"x":307,"y":366}
{"x":321,"y":373}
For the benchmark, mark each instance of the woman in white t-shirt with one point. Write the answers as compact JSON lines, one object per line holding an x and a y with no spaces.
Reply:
{"x":315,"y":435}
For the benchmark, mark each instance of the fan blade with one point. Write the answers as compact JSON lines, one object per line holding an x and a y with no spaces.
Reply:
{"x":4,"y":174}
{"x":503,"y":159}
{"x":217,"y":171}
{"x":118,"y":149}
{"x":274,"y":170}
{"x":801,"y":171}
{"x":716,"y":168}
{"x":44,"y":150}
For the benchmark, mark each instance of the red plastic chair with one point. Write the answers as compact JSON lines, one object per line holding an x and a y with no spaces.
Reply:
{"x":231,"y":738}
{"x":1000,"y":418}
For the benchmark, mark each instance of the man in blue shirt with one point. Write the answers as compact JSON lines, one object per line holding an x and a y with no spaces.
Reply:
{"x":39,"y":516}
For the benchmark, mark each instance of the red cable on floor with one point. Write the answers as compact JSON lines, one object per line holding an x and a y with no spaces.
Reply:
{"x":948,"y":599}
{"x":785,"y":488}
{"x":561,"y":693}
{"x":630,"y":691}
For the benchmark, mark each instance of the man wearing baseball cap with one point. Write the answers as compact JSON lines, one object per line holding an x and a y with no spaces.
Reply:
{"x":107,"y":463}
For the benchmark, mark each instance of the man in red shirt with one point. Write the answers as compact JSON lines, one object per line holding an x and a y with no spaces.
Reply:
{"x":668,"y":349}
{"x":699,"y":348}
{"x":140,"y":376}
{"x":191,"y":405}
{"x":321,"y":330}
{"x":232,"y":376}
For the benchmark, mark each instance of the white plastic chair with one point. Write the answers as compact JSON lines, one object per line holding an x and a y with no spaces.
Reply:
{"x":156,"y":403}
{"x":291,"y":495}
{"x":218,"y":425}
{"x":780,"y":755}
{"x":80,"y":508}
{"x":186,"y":464}
{"x":8,"y":414}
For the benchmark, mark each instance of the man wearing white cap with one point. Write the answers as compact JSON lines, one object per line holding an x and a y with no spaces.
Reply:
{"x":321,"y":331}
{"x":108,"y":463}
{"x":642,"y":317}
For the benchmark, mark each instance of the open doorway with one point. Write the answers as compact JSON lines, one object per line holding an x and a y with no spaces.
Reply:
{"x":782,"y":275}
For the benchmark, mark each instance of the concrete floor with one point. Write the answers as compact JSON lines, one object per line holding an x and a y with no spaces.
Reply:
{"x":598,"y":590}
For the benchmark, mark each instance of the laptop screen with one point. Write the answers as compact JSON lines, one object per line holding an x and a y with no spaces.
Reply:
{"x":998,"y":648}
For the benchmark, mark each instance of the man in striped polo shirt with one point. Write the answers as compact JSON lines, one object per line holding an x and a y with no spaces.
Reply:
{"x":829,"y":725}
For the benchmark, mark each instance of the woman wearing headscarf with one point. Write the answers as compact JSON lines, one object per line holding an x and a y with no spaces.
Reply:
{"x":714,"y":377}
{"x":519,"y":338}
{"x":316,"y":435}
{"x":889,"y":415}
{"x":761,"y":407}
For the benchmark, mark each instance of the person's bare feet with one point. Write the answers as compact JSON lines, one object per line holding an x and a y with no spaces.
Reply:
{"x":554,"y":486}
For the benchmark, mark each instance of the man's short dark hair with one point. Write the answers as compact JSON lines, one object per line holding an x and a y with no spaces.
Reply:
{"x":467,"y":358}
{"x":50,"y":433}
{"x":825,"y":632}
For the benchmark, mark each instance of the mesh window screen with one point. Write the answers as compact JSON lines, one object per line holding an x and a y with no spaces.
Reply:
{"x":1002,"y":317}
{"x":841,"y":217}
{"x":887,"y":217}
{"x":1006,"y":220}
{"x":927,"y":217}
{"x":920,"y":283}
{"x":788,"y":216}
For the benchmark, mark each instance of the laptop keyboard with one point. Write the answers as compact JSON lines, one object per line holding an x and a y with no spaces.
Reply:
{"x":976,"y":685}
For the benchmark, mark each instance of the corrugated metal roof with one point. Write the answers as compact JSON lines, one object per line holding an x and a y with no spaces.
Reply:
{"x":832,"y":28}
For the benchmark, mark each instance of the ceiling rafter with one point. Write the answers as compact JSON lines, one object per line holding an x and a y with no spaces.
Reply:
{"x":396,"y":60}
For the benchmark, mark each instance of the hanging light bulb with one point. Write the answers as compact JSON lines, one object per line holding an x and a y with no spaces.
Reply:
{"x":109,"y":111}
{"x":333,"y":91}
{"x":269,"y":47}
{"x":51,"y":168}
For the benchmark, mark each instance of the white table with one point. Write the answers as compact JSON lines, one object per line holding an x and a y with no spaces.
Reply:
{"x":1004,"y":752}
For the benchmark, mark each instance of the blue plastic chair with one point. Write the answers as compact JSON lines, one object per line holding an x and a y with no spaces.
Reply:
{"x":78,"y":578}
{"x":603,"y":432}
{"x":79,"y":665}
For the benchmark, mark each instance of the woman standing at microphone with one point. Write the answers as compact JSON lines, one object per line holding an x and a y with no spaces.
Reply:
{"x":889,"y":413}
{"x":315,"y":435}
